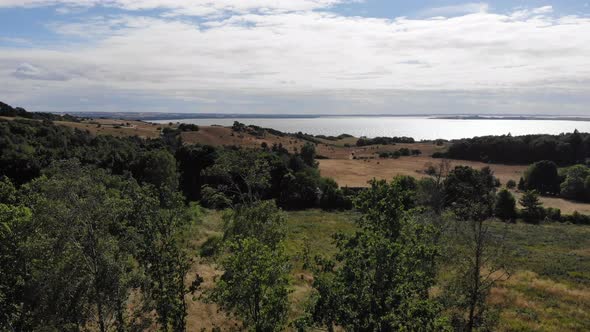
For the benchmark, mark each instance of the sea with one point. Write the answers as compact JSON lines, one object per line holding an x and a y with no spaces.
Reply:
{"x":420,"y":128}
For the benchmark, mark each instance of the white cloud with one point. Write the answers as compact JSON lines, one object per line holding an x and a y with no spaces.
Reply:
{"x":454,"y":10}
{"x":307,"y":53}
{"x":186,"y":7}
{"x":32,"y":72}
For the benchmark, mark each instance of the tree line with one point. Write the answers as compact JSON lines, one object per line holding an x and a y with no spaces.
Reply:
{"x":563,"y":149}
{"x":364,"y":141}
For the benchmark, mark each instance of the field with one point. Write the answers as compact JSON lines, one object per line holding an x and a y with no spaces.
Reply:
{"x":549,"y":288}
{"x":356,"y":173}
{"x":119,"y":128}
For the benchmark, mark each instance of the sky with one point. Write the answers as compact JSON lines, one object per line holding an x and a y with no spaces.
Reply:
{"x":297,"y":56}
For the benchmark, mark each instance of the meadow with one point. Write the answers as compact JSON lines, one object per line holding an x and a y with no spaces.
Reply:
{"x":548,"y":289}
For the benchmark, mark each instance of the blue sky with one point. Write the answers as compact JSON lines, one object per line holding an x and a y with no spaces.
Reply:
{"x":297,"y":56}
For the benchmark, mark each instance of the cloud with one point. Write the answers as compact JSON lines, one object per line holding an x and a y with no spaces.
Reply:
{"x":456,"y":10}
{"x":185,"y":7}
{"x":32,"y":72}
{"x":294,"y":53}
{"x":534,"y":12}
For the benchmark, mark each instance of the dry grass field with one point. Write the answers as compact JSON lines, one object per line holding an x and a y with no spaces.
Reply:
{"x":566,"y":207}
{"x":356,"y":173}
{"x":119,"y":128}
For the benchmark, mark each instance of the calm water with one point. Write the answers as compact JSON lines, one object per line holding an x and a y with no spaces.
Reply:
{"x":416,"y":127}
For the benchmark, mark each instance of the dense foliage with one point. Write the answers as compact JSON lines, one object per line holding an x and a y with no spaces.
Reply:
{"x":564,"y":149}
{"x":383,"y":272}
{"x":403,"y":152}
{"x":363,"y":141}
{"x":27,"y":147}
{"x":570,"y":182}
{"x":87,"y":240}
{"x":255,"y":282}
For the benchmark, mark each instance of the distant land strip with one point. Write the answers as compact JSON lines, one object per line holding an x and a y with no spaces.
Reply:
{"x":160,"y":116}
{"x":479,"y":117}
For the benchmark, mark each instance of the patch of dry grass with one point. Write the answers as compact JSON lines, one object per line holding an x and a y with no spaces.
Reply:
{"x":532,"y":303}
{"x":356,"y":173}
{"x":118,"y":128}
{"x":566,"y":206}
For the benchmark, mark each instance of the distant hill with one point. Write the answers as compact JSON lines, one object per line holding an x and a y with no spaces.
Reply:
{"x":9,"y":111}
{"x":147,"y":116}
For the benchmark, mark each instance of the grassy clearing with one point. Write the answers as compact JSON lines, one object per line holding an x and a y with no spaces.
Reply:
{"x":550,"y":287}
{"x":548,"y":291}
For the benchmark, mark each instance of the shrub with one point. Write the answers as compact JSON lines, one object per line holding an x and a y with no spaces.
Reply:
{"x":505,"y":207}
{"x":211,"y":246}
{"x":553,"y":214}
{"x":511,"y":184}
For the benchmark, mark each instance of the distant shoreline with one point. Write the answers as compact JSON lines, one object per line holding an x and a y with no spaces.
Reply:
{"x":146,"y":116}
{"x":479,"y":117}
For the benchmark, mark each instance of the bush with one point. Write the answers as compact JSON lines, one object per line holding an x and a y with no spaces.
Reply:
{"x":399,"y":153}
{"x":363,"y":141}
{"x":439,"y":155}
{"x":188,"y":127}
{"x":333,"y":198}
{"x":577,"y":218}
{"x":553,"y":214}
{"x":532,"y":211}
{"x":211,"y":247}
{"x":505,"y":207}
{"x":213,"y":198}
{"x":511,"y":184}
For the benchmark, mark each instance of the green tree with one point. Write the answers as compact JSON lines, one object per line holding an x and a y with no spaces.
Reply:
{"x":466,"y":187}
{"x":78,"y":253}
{"x":14,"y":274}
{"x":161,"y":220}
{"x":573,"y":187}
{"x":381,"y":279}
{"x":542,"y":176}
{"x":332,"y":197}
{"x":7,"y":191}
{"x":532,"y":208}
{"x":254,"y":285}
{"x":95,"y":237}
{"x":476,"y":259}
{"x":242,"y":174}
{"x":301,"y":189}
{"x":308,"y":154}
{"x":505,"y":207}
{"x":157,"y":167}
{"x":431,"y":191}
{"x":262,"y":220}
{"x":192,"y":160}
